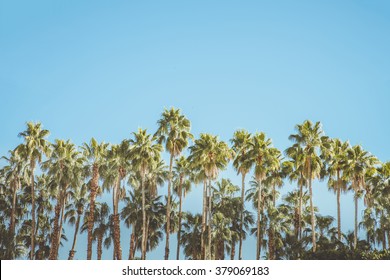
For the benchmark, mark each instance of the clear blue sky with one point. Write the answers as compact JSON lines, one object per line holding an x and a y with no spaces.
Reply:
{"x":105,"y":68}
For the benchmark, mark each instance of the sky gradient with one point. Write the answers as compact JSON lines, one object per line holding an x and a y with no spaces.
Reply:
{"x":106,"y":68}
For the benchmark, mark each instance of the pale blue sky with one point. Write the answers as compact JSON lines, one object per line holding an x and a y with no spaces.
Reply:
{"x":105,"y":68}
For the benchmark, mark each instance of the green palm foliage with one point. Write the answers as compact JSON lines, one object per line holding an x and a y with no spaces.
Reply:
{"x":264,"y":159}
{"x":34,"y":147}
{"x":240,"y":145}
{"x":181,"y":186}
{"x":49,"y":192}
{"x":102,"y":227}
{"x":174,"y":131}
{"x":96,"y":158}
{"x":118,"y":167}
{"x":360,"y":164}
{"x":74,"y":211}
{"x":64,"y":168}
{"x":191,"y":236}
{"x":337,"y":160}
{"x":294,"y":171}
{"x":14,"y":172}
{"x":312,"y":140}
{"x":145,"y":154}
{"x":208,"y":156}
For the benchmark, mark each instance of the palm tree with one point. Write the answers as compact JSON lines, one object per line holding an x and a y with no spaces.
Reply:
{"x":191,"y":236}
{"x":74,"y":211}
{"x":174,"y":131}
{"x":44,"y":217}
{"x":264,"y":159}
{"x":265,"y":195}
{"x":336,"y":166}
{"x":130,"y":213}
{"x":145,"y":154}
{"x":119,"y":164}
{"x":64,"y":167}
{"x":378,"y":186}
{"x":181,"y":187}
{"x":360,"y":163}
{"x":102,"y":228}
{"x":311,"y":138}
{"x":294,"y":170}
{"x":208,"y":156}
{"x":13,"y":173}
{"x":35,"y":145}
{"x":240,"y":145}
{"x":224,"y":213}
{"x":96,"y":155}
{"x":277,"y":227}
{"x":292,"y":207}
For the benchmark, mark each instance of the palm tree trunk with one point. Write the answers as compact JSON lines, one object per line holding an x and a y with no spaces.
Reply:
{"x":61,"y":224}
{"x":313,"y":225}
{"x":300,"y":212}
{"x":338,"y":206}
{"x":54,"y":238}
{"x":118,"y":254}
{"x":388,"y":238}
{"x":271,"y":243}
{"x":261,"y":234}
{"x":147,"y":235}
{"x":32,"y":252}
{"x":384,"y":246}
{"x":180,"y":216}
{"x":91,"y":218}
{"x":11,"y":248}
{"x":356,"y":223}
{"x":131,"y":236}
{"x":210,"y":223}
{"x":233,"y":250}
{"x":168,"y":229}
{"x":100,"y":246}
{"x":220,"y":249}
{"x":117,"y":237}
{"x":132,"y":243}
{"x":143,"y":248}
{"x":204,"y":220}
{"x":242,"y":214}
{"x":76,"y":231}
{"x":258,"y":244}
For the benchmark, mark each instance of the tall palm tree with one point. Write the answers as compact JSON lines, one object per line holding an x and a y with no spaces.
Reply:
{"x":224,"y":213}
{"x":34,"y":147}
{"x":64,"y":167}
{"x":119,"y":164}
{"x":44,"y":217}
{"x":264,"y":159}
{"x":96,"y":155}
{"x":359,"y":162}
{"x":311,"y":138}
{"x":208,"y":156}
{"x":240,"y":145}
{"x":378,"y":186}
{"x":336,"y":165}
{"x":294,"y":171}
{"x":144,"y":155}
{"x":13,"y":173}
{"x":130,"y":213}
{"x":174,"y":131}
{"x":292,"y":206}
{"x":277,"y":228}
{"x":74,"y":210}
{"x":181,"y":187}
{"x":191,"y":236}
